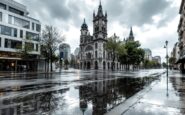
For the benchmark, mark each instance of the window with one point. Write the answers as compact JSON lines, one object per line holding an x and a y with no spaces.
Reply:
{"x":14,"y":33}
{"x":37,"y":47}
{"x":29,"y":46}
{"x":33,"y":36}
{"x":38,"y":27}
{"x":1,"y":16}
{"x":96,"y":45}
{"x":96,"y":29}
{"x":6,"y":43}
{"x":21,"y":33}
{"x":2,"y":6}
{"x":104,"y":54}
{"x":96,"y":54}
{"x":33,"y":26}
{"x":18,"y":22}
{"x":16,"y":11}
{"x":16,"y":44}
{"x":13,"y":44}
{"x":5,"y":30}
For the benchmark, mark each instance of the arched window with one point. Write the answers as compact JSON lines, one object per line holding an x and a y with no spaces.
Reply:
{"x":104,"y":54}
{"x":96,"y":45}
{"x":96,"y":29}
{"x":88,"y":55}
{"x":96,"y":54}
{"x":88,"y":48}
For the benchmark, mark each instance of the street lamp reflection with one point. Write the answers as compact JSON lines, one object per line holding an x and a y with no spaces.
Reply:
{"x":166,"y":46}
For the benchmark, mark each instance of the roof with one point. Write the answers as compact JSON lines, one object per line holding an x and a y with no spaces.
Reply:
{"x":84,"y":25}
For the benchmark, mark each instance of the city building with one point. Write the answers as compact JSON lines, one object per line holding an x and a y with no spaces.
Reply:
{"x":76,"y":52}
{"x":92,"y":48}
{"x":148,"y":54}
{"x":175,"y":55}
{"x":157,"y":59}
{"x":77,"y":58}
{"x":181,"y":33}
{"x":65,"y":52}
{"x":18,"y":30}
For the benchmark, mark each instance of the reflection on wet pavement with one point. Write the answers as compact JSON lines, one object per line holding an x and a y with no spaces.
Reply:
{"x":161,"y":100}
{"x":73,"y":93}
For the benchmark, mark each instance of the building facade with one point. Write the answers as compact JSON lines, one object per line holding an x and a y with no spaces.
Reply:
{"x":157,"y":59}
{"x":175,"y":55}
{"x":148,"y":54}
{"x":92,"y":47}
{"x":181,"y":34}
{"x":18,"y":29}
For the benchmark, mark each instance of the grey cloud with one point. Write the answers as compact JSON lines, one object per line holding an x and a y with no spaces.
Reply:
{"x":127,"y":12}
{"x":169,"y":15}
{"x":137,"y":13}
{"x":58,"y":9}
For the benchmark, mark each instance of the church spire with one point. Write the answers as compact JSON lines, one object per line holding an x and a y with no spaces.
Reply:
{"x":131,"y":35}
{"x":100,"y":10}
{"x":131,"y":32}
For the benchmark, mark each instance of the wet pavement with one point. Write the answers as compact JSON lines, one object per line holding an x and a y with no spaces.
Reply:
{"x":76,"y":92}
{"x":157,"y":99}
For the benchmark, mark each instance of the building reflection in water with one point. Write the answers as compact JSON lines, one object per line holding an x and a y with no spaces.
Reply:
{"x":106,"y":94}
{"x":102,"y":93}
{"x":33,"y":104}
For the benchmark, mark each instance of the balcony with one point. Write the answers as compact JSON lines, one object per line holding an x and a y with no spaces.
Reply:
{"x":16,"y":4}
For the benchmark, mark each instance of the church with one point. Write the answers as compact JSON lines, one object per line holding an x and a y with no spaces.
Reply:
{"x":93,"y":54}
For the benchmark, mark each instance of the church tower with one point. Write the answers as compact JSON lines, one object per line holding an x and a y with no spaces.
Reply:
{"x":131,"y":35}
{"x":93,"y":54}
{"x":84,"y":32}
{"x":100,"y":24}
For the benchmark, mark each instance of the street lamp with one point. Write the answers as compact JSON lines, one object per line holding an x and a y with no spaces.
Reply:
{"x":166,"y":46}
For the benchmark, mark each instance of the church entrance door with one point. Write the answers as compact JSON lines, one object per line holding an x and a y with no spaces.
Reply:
{"x":96,"y":65}
{"x":88,"y":65}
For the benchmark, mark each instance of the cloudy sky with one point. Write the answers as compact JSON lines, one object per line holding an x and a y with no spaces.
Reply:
{"x":153,"y":21}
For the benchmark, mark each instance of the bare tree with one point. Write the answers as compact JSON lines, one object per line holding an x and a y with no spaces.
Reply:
{"x":50,"y":41}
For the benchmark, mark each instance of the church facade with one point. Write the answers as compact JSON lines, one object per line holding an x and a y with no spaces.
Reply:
{"x":92,"y":47}
{"x":93,"y":54}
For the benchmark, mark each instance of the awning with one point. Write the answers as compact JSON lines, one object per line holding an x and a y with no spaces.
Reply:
{"x":181,"y":60}
{"x":10,"y":58}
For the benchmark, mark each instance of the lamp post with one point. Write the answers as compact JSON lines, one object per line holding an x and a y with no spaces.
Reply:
{"x":166,"y":46}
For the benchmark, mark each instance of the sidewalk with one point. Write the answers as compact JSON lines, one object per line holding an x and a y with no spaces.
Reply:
{"x":156,"y":99}
{"x":7,"y":73}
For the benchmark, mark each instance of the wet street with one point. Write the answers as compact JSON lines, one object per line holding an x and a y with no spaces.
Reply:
{"x":76,"y":92}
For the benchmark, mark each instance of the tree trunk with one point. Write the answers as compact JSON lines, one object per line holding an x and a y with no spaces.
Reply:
{"x":48,"y":66}
{"x":51,"y":60}
{"x":51,"y":66}
{"x":113,"y":62}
